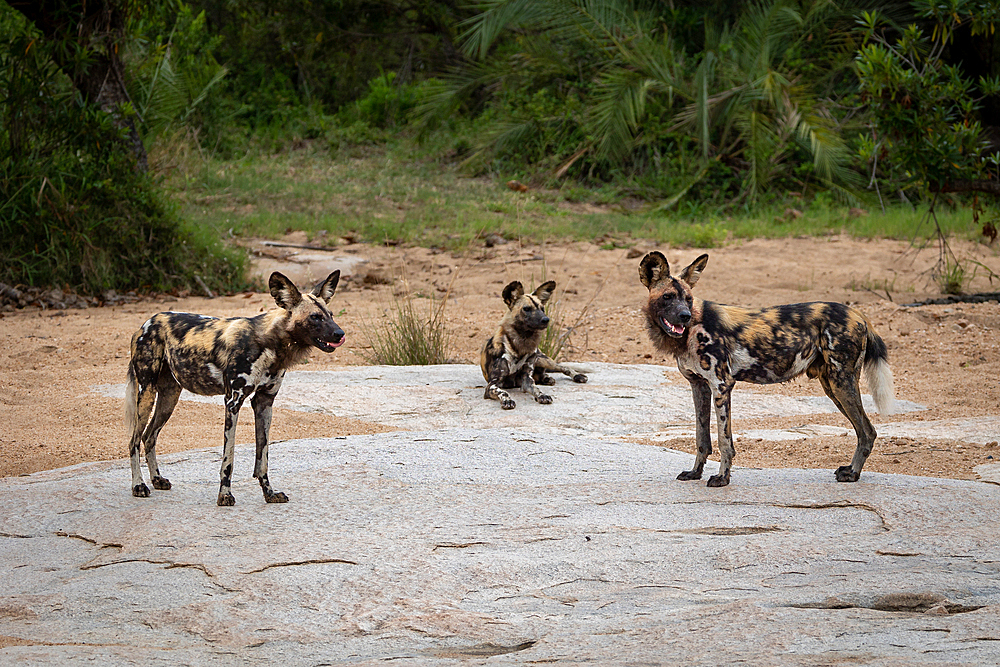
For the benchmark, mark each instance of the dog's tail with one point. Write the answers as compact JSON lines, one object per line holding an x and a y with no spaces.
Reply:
{"x":131,"y":404}
{"x":878,"y":374}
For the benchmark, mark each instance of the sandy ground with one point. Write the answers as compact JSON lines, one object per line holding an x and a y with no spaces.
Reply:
{"x":944,"y":356}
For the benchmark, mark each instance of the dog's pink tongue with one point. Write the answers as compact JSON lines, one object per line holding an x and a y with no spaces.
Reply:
{"x":674,"y":328}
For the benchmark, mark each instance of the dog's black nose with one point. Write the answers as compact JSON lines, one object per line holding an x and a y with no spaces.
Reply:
{"x":338,"y":335}
{"x":545,"y":321}
{"x":684,"y":316}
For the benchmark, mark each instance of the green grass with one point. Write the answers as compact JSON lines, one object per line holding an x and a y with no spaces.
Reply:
{"x":384,"y":195}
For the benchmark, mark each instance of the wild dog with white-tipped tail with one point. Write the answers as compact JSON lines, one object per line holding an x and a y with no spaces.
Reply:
{"x":716,"y":345}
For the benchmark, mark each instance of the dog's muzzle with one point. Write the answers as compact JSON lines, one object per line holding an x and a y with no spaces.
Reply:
{"x":674,"y":330}
{"x":329,"y":346}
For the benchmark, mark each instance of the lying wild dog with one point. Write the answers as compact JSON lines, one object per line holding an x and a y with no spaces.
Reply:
{"x":237,"y":356}
{"x":511,"y":357}
{"x":716,"y":345}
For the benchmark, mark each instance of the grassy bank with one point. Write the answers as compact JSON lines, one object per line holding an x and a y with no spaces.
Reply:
{"x":384,"y":196}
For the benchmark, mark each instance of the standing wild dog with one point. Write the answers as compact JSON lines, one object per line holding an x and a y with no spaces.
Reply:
{"x":237,"y":356}
{"x":511,"y":357}
{"x":716,"y":345}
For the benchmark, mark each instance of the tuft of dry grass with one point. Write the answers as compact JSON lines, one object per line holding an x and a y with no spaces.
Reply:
{"x":407,"y":337}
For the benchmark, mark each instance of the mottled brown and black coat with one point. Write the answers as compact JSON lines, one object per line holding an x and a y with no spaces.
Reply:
{"x":511,"y":357}
{"x":237,"y":357}
{"x":716,"y":345}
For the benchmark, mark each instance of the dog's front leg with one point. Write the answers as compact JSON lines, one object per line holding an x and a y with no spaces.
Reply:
{"x":727,"y":452}
{"x":702,"y":394}
{"x":528,"y":386}
{"x":261,"y":403}
{"x":234,"y":401}
{"x":498,"y":371}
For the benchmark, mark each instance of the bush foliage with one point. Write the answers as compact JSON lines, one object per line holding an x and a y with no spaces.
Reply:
{"x":691,"y":106}
{"x":75,"y":210}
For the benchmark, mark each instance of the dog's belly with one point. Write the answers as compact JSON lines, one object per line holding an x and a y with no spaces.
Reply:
{"x":770,"y":369}
{"x":203,"y":378}
{"x":200,"y":375}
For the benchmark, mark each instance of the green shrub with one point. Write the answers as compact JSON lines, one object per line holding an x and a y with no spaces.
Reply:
{"x":76,"y":212}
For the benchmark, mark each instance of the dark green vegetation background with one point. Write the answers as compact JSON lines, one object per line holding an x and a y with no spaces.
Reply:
{"x":693,"y":121}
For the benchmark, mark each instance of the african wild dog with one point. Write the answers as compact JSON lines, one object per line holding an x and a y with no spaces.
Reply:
{"x":237,"y":356}
{"x":716,"y":345}
{"x":511,"y":357}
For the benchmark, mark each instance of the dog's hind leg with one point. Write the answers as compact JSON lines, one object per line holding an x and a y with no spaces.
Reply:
{"x":167,"y":393}
{"x":262,"y":402}
{"x":702,"y":429}
{"x":727,"y":452}
{"x":543,"y":378}
{"x":234,"y":401}
{"x":842,"y":388}
{"x":139,"y":399}
{"x":544,"y":363}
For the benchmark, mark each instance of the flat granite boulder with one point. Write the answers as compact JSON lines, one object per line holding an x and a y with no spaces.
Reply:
{"x":495,"y":545}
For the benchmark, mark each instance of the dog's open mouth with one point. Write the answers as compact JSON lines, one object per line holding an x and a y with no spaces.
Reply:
{"x":328,"y":346}
{"x":672,"y":329}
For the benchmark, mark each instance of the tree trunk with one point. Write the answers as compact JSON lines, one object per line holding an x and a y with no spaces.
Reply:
{"x":96,"y":27}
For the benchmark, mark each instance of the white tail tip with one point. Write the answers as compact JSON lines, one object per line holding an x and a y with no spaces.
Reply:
{"x":880,"y":384}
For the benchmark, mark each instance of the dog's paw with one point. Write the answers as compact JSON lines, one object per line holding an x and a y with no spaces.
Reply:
{"x":689,"y":475}
{"x":226,"y":500}
{"x":140,"y":491}
{"x":847,"y":474}
{"x":544,"y":399}
{"x":161,"y":483}
{"x":278,"y":497}
{"x":718,"y":480}
{"x":507,"y":403}
{"x":580,"y":378}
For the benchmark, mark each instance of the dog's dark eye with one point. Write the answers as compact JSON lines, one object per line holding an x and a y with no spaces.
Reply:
{"x":528,"y":309}
{"x":315,"y":317}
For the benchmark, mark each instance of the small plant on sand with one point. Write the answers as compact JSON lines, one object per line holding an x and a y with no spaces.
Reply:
{"x":406,"y":337}
{"x":950,"y":276}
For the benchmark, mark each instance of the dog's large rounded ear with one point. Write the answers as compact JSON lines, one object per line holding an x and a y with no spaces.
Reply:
{"x":325,"y":289}
{"x":284,"y":292}
{"x":692,"y":272}
{"x":512,"y":292}
{"x":653,"y":268}
{"x":545,"y":290}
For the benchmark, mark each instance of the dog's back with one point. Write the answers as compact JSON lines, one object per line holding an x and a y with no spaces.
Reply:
{"x":189,"y":345}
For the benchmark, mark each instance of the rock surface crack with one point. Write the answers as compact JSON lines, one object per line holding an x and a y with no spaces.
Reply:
{"x":310,"y":561}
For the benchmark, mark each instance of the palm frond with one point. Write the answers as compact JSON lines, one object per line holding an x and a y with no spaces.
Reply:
{"x":620,"y":103}
{"x":168,"y":96}
{"x":483,"y":29}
